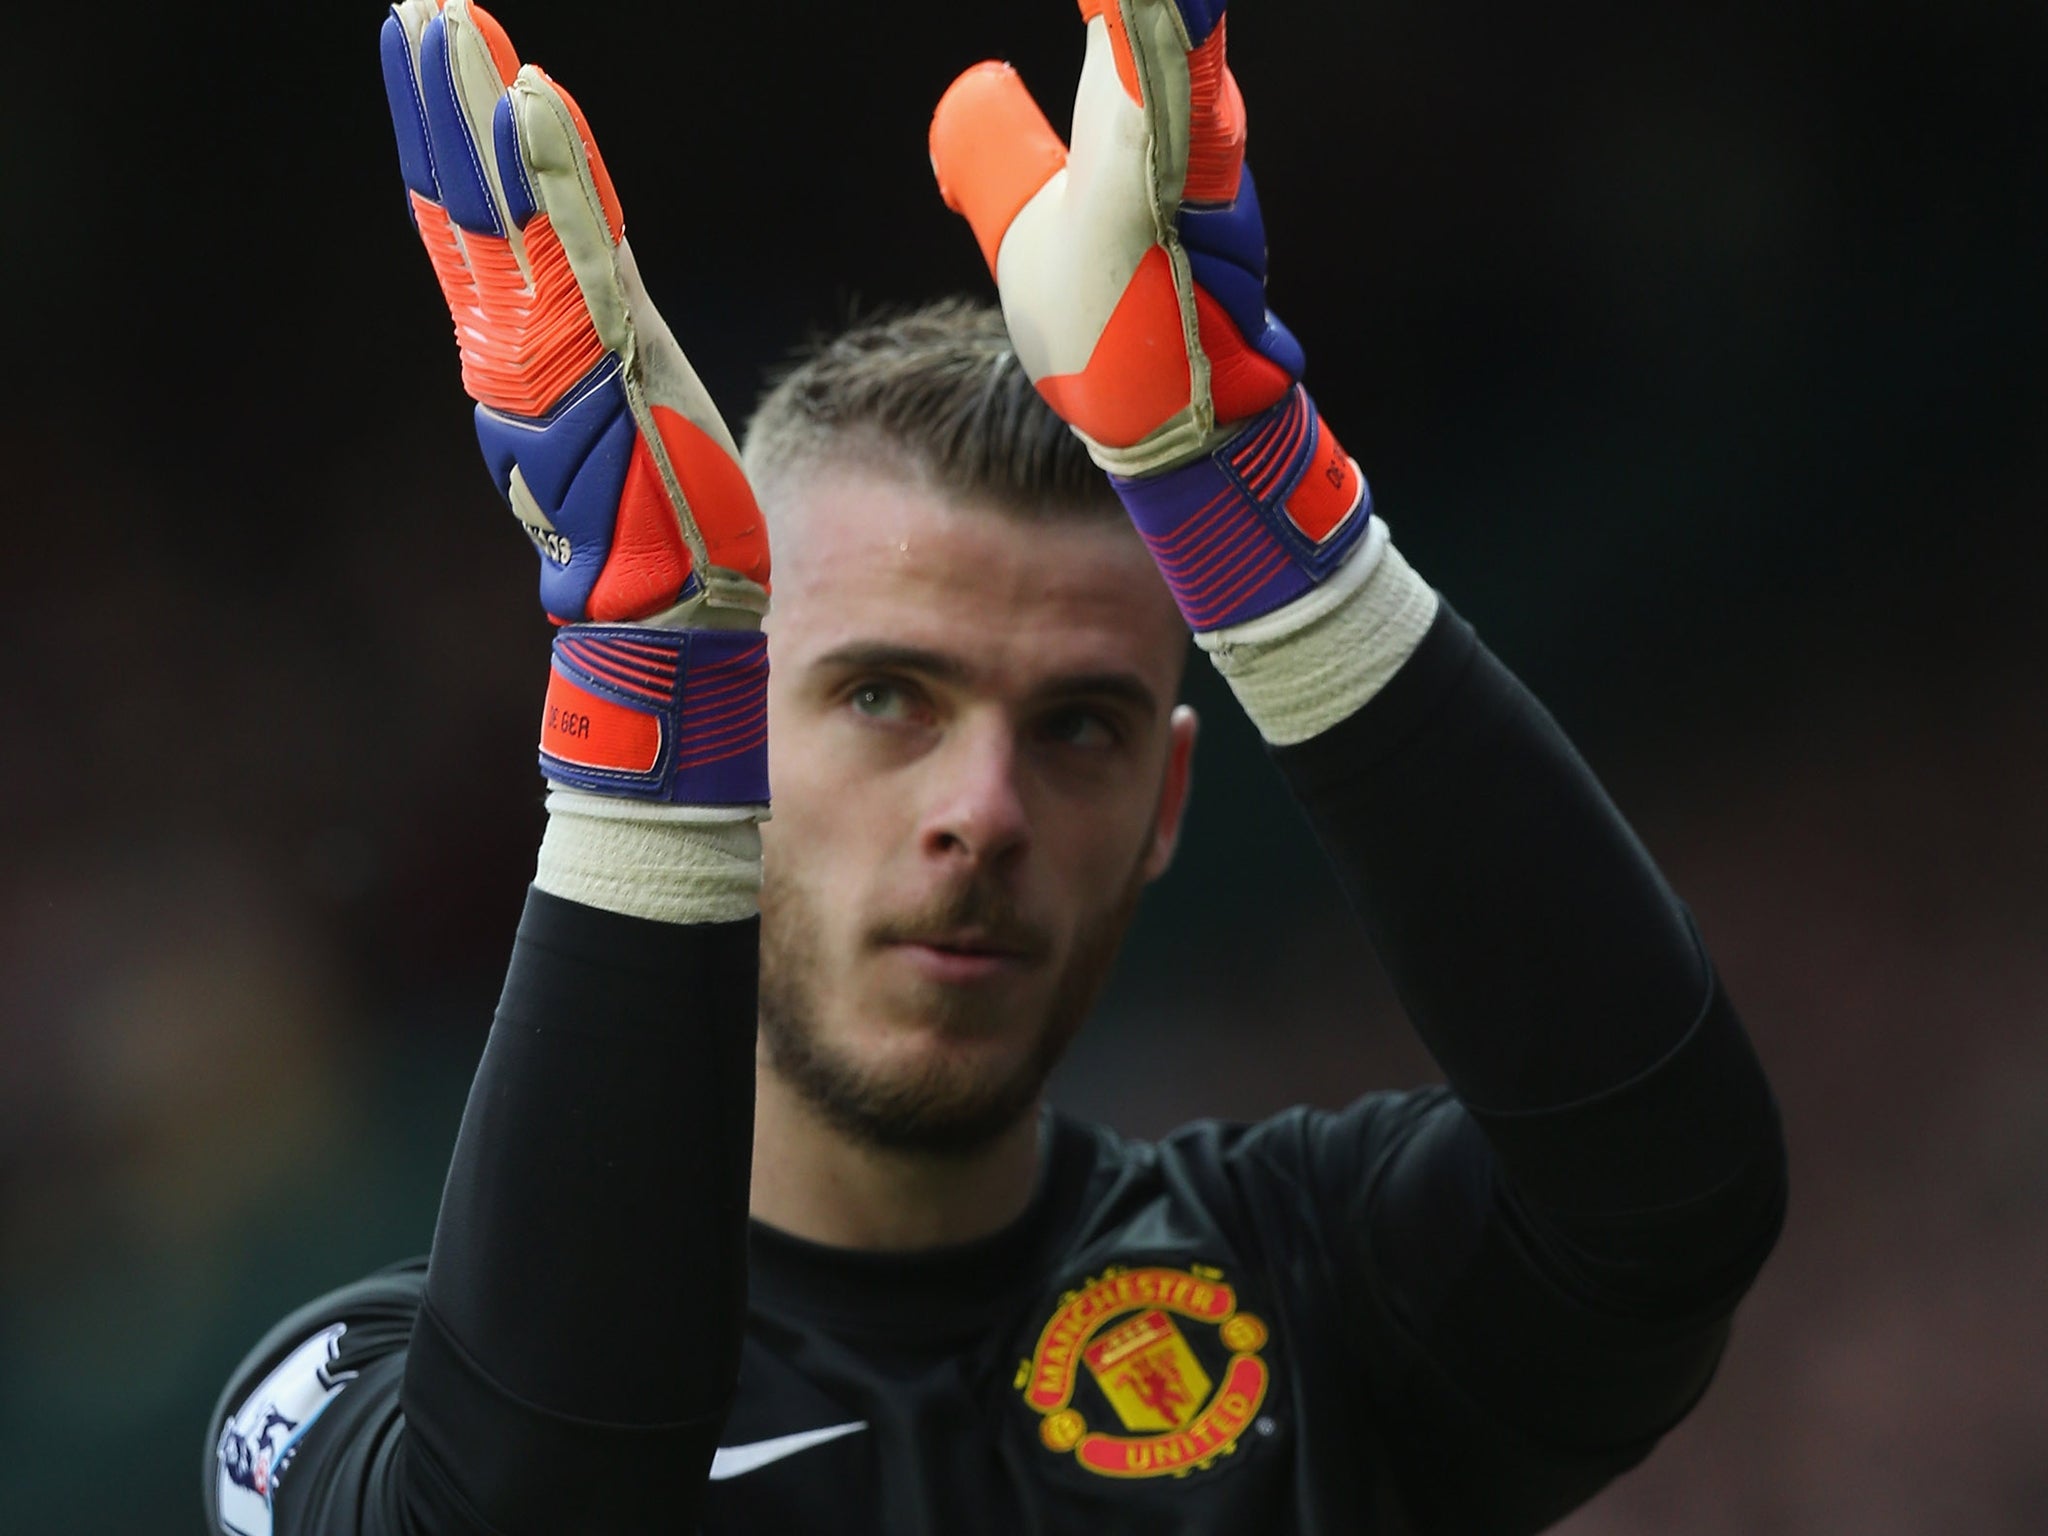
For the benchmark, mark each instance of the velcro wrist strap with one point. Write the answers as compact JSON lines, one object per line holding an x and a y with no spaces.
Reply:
{"x":677,"y":715}
{"x":1255,"y":524}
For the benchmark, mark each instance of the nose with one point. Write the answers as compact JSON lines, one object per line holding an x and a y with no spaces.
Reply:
{"x":975,"y":811}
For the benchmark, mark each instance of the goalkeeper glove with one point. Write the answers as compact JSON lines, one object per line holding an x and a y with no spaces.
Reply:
{"x":1133,"y":278}
{"x":597,"y":431}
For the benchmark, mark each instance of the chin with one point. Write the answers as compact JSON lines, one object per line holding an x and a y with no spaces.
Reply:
{"x":900,"y":1052}
{"x":948,"y":1041}
{"x":926,"y":1081}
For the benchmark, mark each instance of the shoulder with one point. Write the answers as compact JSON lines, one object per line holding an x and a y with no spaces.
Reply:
{"x":1301,"y":1165}
{"x":1304,"y":1147}
{"x":293,"y":1375}
{"x":368,"y":1317}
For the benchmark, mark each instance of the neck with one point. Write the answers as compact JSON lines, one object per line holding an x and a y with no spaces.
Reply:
{"x":815,"y":1181}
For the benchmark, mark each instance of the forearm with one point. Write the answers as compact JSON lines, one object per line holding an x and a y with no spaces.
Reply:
{"x":1537,"y":948}
{"x":1545,"y":1266}
{"x":586,"y":1293}
{"x":1545,"y":962}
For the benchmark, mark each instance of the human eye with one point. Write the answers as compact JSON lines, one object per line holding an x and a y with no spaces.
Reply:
{"x":1081,"y":728}
{"x":885,"y":701}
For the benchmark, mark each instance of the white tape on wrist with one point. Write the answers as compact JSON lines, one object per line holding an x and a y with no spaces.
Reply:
{"x":1301,"y":669}
{"x":666,"y":863}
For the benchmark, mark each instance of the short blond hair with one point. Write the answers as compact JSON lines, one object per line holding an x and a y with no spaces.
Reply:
{"x":937,"y":389}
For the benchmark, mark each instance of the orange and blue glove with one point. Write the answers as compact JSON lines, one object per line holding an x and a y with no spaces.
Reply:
{"x":1132,"y":270}
{"x":597,"y":432}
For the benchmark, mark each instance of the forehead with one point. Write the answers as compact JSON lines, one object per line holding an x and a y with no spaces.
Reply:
{"x":865,"y":554}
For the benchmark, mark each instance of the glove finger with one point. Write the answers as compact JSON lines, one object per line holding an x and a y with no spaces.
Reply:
{"x":1200,"y":17}
{"x":1215,"y":122}
{"x":465,"y":62}
{"x":1112,"y":14}
{"x":577,"y":152}
{"x":1122,"y":158}
{"x":399,"y":49}
{"x":992,"y":151}
{"x":544,"y":144}
{"x":504,"y":57}
{"x":1142,"y":31}
{"x":1167,"y":57}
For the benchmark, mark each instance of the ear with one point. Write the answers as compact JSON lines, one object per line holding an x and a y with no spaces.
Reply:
{"x":1173,"y":791}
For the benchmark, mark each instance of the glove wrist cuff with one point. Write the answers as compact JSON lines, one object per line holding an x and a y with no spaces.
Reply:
{"x":678,"y":716}
{"x":1302,"y":668}
{"x":1256,"y":523}
{"x":665,"y":870}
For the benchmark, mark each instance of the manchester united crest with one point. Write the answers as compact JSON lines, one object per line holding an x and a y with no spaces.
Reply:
{"x":1147,"y":1372}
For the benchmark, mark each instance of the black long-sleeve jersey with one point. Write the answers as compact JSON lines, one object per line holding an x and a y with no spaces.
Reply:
{"x":1459,"y":1309}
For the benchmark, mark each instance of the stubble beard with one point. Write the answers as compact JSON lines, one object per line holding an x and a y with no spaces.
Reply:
{"x":935,"y":1109}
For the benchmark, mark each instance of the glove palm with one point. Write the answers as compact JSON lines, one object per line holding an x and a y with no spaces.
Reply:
{"x":1132,"y":271}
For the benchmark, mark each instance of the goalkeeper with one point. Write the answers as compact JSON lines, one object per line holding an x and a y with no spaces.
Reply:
{"x":758,"y":1220}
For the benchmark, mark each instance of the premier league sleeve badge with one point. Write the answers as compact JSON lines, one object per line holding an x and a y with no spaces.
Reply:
{"x":259,"y":1439}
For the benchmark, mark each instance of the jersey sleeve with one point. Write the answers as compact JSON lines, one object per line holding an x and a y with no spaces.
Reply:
{"x":310,"y":1406}
{"x":564,"y":1361}
{"x":1539,"y":1263}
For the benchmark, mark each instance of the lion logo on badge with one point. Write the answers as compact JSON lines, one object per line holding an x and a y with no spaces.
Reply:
{"x":1167,"y":1353}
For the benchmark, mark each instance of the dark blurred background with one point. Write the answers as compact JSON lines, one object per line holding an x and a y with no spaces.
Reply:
{"x":1699,"y":354}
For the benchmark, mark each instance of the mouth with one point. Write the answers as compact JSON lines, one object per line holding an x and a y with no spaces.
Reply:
{"x":964,"y":958}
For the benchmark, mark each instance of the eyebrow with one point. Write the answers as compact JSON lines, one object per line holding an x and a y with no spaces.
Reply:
{"x":883,"y":656}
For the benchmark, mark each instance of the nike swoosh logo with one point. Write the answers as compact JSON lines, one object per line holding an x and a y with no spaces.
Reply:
{"x":735,"y":1460}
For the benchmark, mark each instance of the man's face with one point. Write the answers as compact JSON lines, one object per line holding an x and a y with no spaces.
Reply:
{"x":976,"y":767}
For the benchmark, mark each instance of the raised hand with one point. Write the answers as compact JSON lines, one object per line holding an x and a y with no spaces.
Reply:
{"x":595,"y":427}
{"x":1132,"y":270}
